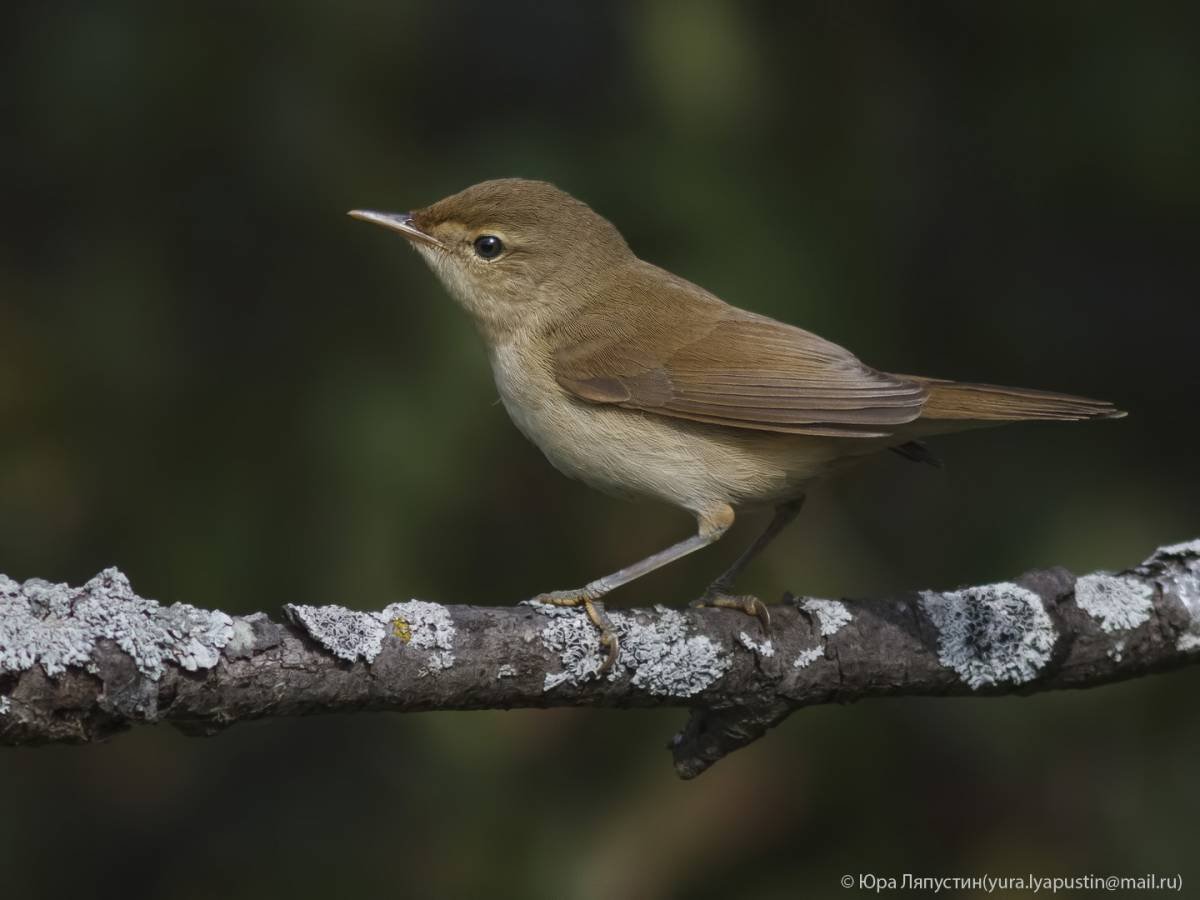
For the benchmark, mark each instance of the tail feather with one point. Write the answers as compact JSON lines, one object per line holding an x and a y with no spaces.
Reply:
{"x":958,"y":401}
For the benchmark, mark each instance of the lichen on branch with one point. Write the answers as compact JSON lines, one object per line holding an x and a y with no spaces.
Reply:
{"x":81,"y":663}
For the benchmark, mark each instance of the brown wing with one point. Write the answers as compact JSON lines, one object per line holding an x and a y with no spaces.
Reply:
{"x":678,"y":351}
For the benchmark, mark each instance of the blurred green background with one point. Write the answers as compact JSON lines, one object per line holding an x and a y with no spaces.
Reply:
{"x":212,"y":378}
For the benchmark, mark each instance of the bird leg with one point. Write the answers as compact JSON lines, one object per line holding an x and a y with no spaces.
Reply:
{"x":719,"y":593}
{"x":712,"y":524}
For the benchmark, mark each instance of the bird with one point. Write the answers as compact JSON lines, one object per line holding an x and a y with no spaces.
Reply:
{"x":642,"y":384}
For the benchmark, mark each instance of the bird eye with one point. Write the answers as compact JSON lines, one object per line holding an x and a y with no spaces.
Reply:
{"x":488,"y":246}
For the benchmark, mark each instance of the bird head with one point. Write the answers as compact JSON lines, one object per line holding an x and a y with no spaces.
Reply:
{"x":516,"y":254}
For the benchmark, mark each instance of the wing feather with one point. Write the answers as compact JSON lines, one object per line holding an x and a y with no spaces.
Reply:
{"x":678,"y":351}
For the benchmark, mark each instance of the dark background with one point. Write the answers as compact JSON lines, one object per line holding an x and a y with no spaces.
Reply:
{"x":212,"y":378}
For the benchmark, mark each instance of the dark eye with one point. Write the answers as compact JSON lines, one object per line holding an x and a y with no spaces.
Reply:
{"x":488,"y":246}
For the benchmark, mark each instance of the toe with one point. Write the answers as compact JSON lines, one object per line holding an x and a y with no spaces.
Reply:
{"x":560,"y":598}
{"x":608,"y":640}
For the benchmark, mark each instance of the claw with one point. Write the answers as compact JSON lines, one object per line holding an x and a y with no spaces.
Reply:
{"x":608,"y":640}
{"x":588,"y":599}
{"x":608,"y":637}
{"x":746,"y":603}
{"x":760,"y":611}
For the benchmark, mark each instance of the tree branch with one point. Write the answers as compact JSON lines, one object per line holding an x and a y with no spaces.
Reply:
{"x":79,"y":664}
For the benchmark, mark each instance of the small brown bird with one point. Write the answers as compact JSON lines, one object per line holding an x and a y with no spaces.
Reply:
{"x":642,"y":384}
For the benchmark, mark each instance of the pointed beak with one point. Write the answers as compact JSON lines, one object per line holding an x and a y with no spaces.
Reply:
{"x":401,"y":222}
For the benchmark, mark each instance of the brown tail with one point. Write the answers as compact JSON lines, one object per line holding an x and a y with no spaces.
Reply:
{"x":983,"y":403}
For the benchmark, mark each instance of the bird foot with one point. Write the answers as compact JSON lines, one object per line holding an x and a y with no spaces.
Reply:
{"x":747,"y":603}
{"x":589,"y":600}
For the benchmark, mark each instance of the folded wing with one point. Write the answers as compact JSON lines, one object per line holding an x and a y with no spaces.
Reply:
{"x":697,"y":358}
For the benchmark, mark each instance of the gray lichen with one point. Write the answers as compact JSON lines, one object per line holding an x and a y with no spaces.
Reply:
{"x":506,"y":670}
{"x":808,"y":657}
{"x":991,"y":634}
{"x":574,"y":638}
{"x":1188,"y":548}
{"x":429,"y":628}
{"x":58,"y":626}
{"x":832,"y":615}
{"x":1185,"y":586}
{"x":350,"y":634}
{"x":667,"y":661}
{"x":1119,"y":604}
{"x":663,"y":658}
{"x":1181,"y":580}
{"x":765,"y":648}
{"x":1117,"y":651}
{"x":346,"y":633}
{"x":242,"y":640}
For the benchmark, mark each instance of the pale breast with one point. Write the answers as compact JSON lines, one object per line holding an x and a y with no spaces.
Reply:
{"x":631,"y":453}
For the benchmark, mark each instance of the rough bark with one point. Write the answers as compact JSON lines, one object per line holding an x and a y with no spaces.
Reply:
{"x":79,"y":664}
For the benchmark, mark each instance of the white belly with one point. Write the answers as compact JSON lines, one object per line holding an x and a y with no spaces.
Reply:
{"x":630,"y":453}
